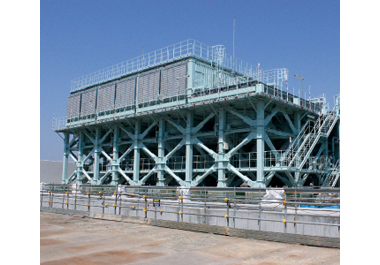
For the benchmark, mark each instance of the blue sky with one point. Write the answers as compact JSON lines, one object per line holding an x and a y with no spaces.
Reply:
{"x":79,"y":37}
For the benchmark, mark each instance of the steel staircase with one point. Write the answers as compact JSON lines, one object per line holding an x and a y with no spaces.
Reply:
{"x":308,"y":138}
{"x":302,"y":146}
{"x":332,"y":178}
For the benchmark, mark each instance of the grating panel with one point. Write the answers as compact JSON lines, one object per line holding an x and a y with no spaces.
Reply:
{"x":73,"y":106}
{"x":125,"y":93}
{"x":106,"y":98}
{"x":173,"y":82}
{"x":88,"y":103}
{"x":148,"y":87}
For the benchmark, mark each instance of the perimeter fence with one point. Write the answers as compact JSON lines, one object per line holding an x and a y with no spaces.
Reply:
{"x":305,"y":211}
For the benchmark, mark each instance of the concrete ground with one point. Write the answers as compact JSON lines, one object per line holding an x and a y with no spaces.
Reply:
{"x":78,"y":240}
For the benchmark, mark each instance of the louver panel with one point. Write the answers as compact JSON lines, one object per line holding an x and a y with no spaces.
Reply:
{"x":173,"y":81}
{"x":125,"y":93}
{"x":106,"y":98}
{"x":73,"y":106}
{"x":148,"y":87}
{"x":88,"y":103}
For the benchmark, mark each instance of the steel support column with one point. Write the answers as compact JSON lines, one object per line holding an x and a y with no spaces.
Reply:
{"x":189,"y":149}
{"x":297,"y":179}
{"x":96,"y":157}
{"x":65,"y":157}
{"x":115,"y":156}
{"x":80,"y":159}
{"x":221,"y":152}
{"x":260,"y":143}
{"x":136,"y":157}
{"x":161,"y":154}
{"x":297,"y":121}
{"x":297,"y":124}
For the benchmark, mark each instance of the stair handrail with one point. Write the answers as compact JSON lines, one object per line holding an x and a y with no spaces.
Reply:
{"x":335,"y":171}
{"x":327,"y":179}
{"x":316,"y":132}
{"x":295,"y":144}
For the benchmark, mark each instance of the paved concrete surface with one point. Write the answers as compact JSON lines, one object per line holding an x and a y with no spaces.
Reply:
{"x":78,"y":240}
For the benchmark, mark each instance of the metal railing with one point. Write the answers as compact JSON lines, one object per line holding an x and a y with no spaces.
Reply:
{"x":331,"y":178}
{"x":167,"y":54}
{"x":247,"y":208}
{"x":274,"y":159}
{"x":214,"y":54}
{"x":275,"y":80}
{"x":58,"y":123}
{"x":309,"y":136}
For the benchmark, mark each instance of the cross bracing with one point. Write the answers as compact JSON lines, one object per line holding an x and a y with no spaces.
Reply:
{"x":214,"y":127}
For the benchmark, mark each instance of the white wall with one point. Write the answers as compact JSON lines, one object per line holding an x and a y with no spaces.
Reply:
{"x":51,"y":171}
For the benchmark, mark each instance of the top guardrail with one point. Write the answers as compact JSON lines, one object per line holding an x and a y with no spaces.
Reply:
{"x":170,"y":53}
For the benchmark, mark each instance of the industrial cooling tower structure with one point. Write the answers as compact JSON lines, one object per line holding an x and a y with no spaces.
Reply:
{"x":192,"y":115}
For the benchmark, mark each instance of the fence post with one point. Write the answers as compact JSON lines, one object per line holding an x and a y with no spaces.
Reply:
{"x":259,"y":219}
{"x":63,"y":200}
{"x":228,"y":211}
{"x":284,"y":221}
{"x":234,"y":206}
{"x":120,"y":205}
{"x":75,"y":196}
{"x":146,"y":205}
{"x":89,"y":202}
{"x":68,"y":199}
{"x":204,"y":212}
{"x":182,"y":208}
{"x":138,"y":205}
{"x":103,"y":204}
{"x":114,"y":208}
{"x":295,"y":215}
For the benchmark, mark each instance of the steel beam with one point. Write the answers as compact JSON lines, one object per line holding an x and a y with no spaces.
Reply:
{"x":221,"y":152}
{"x":161,"y":154}
{"x":97,"y":152}
{"x":115,"y":157}
{"x":136,"y":156}
{"x":66,"y":148}
{"x":189,"y":148}
{"x":297,"y":121}
{"x":260,"y":142}
{"x":79,"y":161}
{"x":247,"y":180}
{"x":292,"y":127}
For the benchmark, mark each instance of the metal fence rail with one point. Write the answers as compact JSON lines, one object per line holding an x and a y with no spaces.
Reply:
{"x":231,"y":207}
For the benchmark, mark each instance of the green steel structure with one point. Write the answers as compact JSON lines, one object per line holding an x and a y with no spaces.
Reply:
{"x":192,"y":115}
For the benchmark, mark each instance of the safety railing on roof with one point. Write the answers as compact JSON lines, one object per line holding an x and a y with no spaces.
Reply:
{"x":59,"y":123}
{"x":170,"y":53}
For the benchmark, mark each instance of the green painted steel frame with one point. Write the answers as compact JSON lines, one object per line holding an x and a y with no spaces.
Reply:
{"x":253,"y":116}
{"x":259,"y":116}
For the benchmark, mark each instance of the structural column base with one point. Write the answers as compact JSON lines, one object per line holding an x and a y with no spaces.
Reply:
{"x":222,"y":183}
